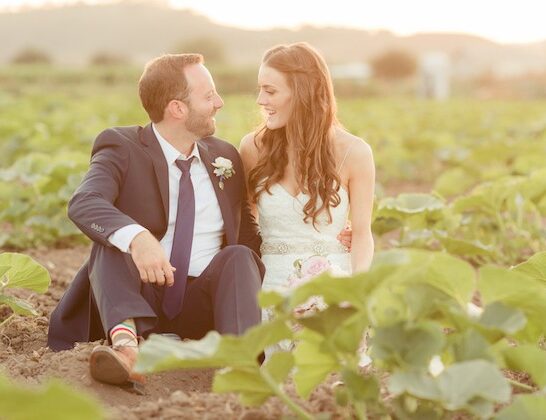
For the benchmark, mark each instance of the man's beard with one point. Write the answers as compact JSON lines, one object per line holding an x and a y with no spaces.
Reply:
{"x":200,"y":125}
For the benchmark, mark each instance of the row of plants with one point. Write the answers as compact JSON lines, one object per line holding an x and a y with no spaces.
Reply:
{"x":499,"y":221}
{"x":449,"y":148}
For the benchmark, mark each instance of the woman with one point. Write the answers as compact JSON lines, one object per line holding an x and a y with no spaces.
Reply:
{"x":305,"y":172}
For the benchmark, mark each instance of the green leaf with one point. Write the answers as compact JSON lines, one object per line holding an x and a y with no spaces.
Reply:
{"x":391,"y":300}
{"x":250,"y":382}
{"x":527,"y":358}
{"x":518,"y":291}
{"x":313,"y":362}
{"x":524,"y":407}
{"x":360,"y":388}
{"x":25,"y":272}
{"x":462,"y":382}
{"x":328,"y":321}
{"x":247,"y":381}
{"x":405,"y":345}
{"x":409,"y":204}
{"x":17,"y":305}
{"x":465,"y":247}
{"x":4,"y":269}
{"x":415,"y":383}
{"x":160,"y":353}
{"x":279,"y":365}
{"x":504,"y":318}
{"x":268,"y":298}
{"x":52,"y":402}
{"x":534,"y":267}
{"x":471,"y":345}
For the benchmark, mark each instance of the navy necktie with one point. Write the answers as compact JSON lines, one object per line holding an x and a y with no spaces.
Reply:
{"x":182,"y":241}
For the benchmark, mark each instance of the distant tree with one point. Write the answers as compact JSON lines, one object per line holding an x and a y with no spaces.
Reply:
{"x":211,"y":48}
{"x":108,"y":59}
{"x":394,"y":64}
{"x":31,"y":55}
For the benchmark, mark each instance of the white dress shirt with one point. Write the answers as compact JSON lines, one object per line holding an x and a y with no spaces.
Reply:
{"x":208,"y":229}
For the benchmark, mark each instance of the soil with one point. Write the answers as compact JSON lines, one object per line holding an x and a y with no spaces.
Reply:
{"x":186,"y":394}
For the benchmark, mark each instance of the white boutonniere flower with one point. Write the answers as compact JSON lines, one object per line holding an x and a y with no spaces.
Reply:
{"x":224,"y":170}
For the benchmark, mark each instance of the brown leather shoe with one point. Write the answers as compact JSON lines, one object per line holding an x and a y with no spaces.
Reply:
{"x":114,"y":365}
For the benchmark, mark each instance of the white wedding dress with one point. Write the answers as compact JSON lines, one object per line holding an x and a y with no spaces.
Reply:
{"x":286,"y":237}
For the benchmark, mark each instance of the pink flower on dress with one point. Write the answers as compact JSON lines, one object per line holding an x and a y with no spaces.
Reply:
{"x":315,"y":265}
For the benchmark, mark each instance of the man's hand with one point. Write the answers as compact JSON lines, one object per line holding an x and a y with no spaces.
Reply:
{"x":149,"y":258}
{"x":346,"y":236}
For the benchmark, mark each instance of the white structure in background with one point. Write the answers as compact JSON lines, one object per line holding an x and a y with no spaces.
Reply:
{"x":351,"y":71}
{"x":435,"y":73}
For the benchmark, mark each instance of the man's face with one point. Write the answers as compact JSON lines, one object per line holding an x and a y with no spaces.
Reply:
{"x":203,"y":101}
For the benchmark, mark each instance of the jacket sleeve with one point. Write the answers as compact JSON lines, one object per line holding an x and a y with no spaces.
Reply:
{"x":92,"y":207}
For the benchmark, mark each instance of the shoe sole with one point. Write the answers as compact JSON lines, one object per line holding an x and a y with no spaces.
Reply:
{"x":106,"y":367}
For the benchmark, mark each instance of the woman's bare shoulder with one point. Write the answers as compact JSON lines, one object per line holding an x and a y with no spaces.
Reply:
{"x":353,"y":146}
{"x":249,"y":148}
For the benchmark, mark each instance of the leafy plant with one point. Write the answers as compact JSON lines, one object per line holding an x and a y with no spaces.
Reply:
{"x":52,"y":402}
{"x":439,"y":356}
{"x":20,"y":271}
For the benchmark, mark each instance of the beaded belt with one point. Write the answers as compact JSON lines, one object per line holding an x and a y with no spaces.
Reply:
{"x":318,"y":248}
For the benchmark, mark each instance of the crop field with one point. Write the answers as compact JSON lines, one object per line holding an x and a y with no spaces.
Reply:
{"x":459,"y":277}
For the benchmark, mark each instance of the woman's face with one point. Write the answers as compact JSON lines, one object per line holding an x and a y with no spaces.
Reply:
{"x":275,"y":97}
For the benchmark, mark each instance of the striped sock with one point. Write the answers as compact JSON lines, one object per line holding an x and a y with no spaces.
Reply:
{"x":124,"y":334}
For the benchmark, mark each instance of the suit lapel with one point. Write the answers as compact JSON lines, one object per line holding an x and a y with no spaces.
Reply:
{"x":153,"y":149}
{"x":208,"y":157}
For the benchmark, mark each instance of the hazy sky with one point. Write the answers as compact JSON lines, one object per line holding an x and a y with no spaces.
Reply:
{"x":500,"y":20}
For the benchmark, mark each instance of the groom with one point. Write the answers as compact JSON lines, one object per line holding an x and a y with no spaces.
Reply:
{"x":175,"y":248}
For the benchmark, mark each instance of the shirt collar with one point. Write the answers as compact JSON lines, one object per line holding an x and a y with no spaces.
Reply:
{"x":170,"y":152}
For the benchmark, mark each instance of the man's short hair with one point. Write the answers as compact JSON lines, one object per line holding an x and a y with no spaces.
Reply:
{"x":163,"y":80}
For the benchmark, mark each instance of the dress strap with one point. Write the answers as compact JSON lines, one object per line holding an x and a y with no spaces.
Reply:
{"x":345,"y":157}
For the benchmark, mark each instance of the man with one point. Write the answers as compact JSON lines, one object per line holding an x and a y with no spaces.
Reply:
{"x":175,"y":248}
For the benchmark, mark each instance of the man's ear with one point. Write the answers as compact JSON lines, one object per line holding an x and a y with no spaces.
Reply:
{"x":177,"y":109}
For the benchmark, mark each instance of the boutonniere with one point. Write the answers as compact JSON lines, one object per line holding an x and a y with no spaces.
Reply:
{"x":224,"y":170}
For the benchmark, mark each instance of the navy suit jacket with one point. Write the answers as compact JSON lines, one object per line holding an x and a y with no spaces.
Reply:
{"x":127,"y":183}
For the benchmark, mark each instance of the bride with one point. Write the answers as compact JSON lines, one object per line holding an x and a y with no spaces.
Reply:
{"x":306,"y":173}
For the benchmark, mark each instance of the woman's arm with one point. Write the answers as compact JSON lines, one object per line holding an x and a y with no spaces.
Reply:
{"x":361,"y":192}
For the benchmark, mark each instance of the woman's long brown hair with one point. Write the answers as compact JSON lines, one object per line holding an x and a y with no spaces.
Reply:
{"x":309,"y":131}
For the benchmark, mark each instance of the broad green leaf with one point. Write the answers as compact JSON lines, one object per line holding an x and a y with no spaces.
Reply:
{"x":534,"y":267}
{"x":415,"y":383}
{"x":471,"y":345}
{"x":454,"y":181}
{"x":408,"y":345}
{"x":313,"y":362}
{"x":462,"y":382}
{"x":279,"y":365}
{"x":246,"y":381}
{"x":518,"y":291}
{"x":524,"y":407}
{"x":504,"y":318}
{"x":54,"y":401}
{"x":3,"y":270}
{"x":360,"y":388}
{"x":268,"y":298}
{"x":465,"y":247}
{"x":530,"y":359}
{"x":160,"y":353}
{"x":408,"y":204}
{"x":328,"y":321}
{"x":24,"y":272}
{"x":387,"y":304}
{"x":19,"y":306}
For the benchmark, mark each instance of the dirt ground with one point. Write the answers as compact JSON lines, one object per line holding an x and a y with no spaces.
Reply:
{"x":181,"y":394}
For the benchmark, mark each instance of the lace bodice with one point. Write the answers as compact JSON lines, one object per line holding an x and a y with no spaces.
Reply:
{"x":286,"y":237}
